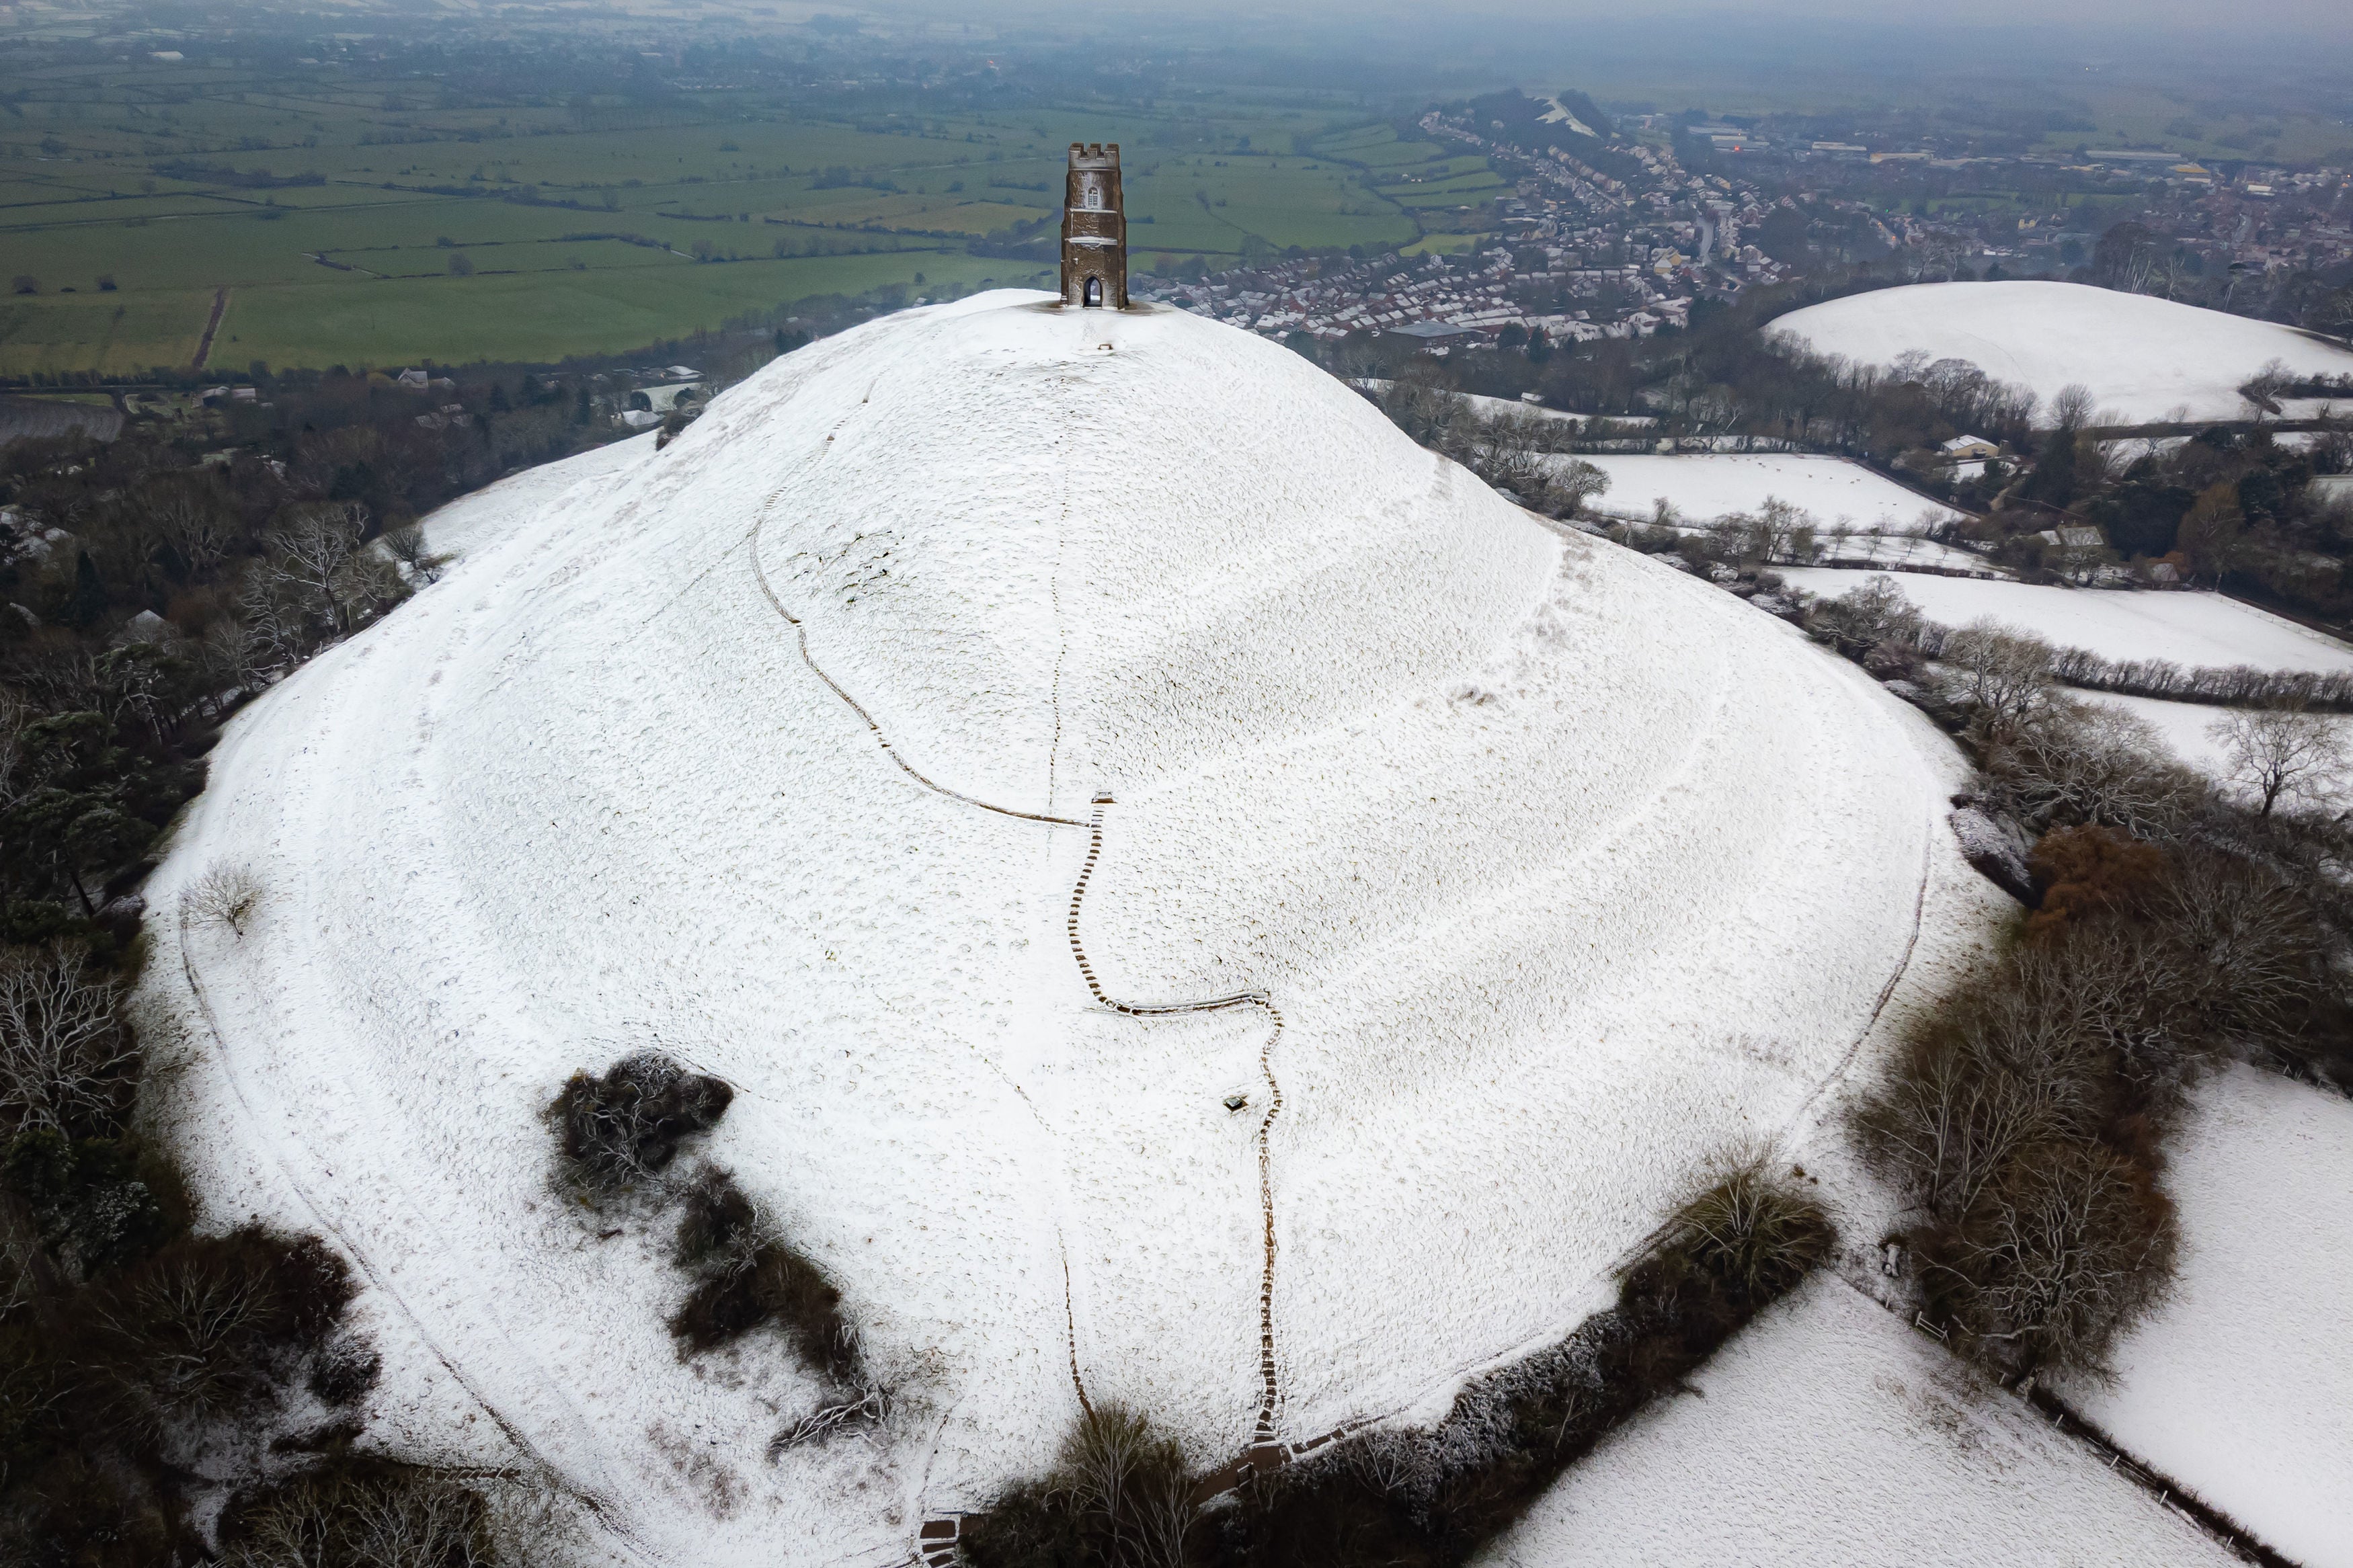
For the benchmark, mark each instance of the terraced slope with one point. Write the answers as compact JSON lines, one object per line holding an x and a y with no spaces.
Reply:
{"x":782,"y":749}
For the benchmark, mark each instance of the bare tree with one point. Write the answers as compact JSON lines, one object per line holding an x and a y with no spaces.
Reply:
{"x":275,"y":622}
{"x":63,"y":1054}
{"x":2213,"y":533}
{"x":177,"y":1342}
{"x":2070,"y":408}
{"x":224,"y":658}
{"x":2067,"y":762}
{"x":16,"y":713}
{"x":1876,"y":612}
{"x":2278,"y":753}
{"x":199,"y":533}
{"x":368,"y":582}
{"x":311,"y":551}
{"x":1574,"y":484}
{"x":2002,"y":1071}
{"x":2063,"y":1259}
{"x":2044,"y":1241}
{"x":407,"y":545}
{"x":398,"y":1521}
{"x":2250,"y":948}
{"x":1782,"y":527}
{"x":2261,"y":391}
{"x":223,"y":895}
{"x":2002,"y":675}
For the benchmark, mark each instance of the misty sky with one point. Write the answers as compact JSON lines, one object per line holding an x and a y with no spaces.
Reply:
{"x":2136,"y":22}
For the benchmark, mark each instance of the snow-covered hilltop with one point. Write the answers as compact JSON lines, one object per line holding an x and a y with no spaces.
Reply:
{"x":2143,"y":357}
{"x":1558,"y":869}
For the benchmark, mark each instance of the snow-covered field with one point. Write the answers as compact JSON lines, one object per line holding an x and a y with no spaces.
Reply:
{"x":1705,"y":486}
{"x":1829,"y":1434}
{"x":1540,"y":941}
{"x":2118,"y":624}
{"x":1906,"y":550}
{"x":2186,"y":728}
{"x":2142,"y":357}
{"x":2239,"y":1386}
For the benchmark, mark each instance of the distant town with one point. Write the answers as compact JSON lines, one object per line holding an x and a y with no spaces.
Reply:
{"x":1617,"y":236}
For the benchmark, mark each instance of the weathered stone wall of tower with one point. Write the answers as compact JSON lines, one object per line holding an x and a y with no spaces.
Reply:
{"x":1094,"y":228}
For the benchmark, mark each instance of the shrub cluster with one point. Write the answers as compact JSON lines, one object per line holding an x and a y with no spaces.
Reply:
{"x":1119,"y":1494}
{"x":145,"y":1368}
{"x":747,"y":1276}
{"x":618,"y":1132}
{"x":1427,"y":1498}
{"x":129,"y":1345}
{"x":359,"y":1513}
{"x":2025,"y":1116}
{"x":615,"y":1130}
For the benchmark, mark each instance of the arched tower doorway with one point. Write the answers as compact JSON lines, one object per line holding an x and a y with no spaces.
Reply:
{"x":1094,"y":230}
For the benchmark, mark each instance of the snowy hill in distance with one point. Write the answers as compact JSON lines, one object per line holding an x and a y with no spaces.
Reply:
{"x":2142,"y":357}
{"x":1535,"y":871}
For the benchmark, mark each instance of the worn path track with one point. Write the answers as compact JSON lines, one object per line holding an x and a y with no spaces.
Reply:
{"x":937,"y":1535}
{"x":1264,"y":1433}
{"x":598,"y":1504}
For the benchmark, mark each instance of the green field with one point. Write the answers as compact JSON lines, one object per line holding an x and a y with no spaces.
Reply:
{"x":362,"y":222}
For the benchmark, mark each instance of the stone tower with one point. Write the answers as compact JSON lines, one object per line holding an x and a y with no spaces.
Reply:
{"x":1094,"y":230}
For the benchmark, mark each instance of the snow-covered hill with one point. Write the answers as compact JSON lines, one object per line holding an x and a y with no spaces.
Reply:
{"x":1560,"y":869}
{"x":2142,"y":357}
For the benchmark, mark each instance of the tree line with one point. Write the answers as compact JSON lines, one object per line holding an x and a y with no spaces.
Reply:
{"x":170,"y":1393}
{"x":2171,"y":924}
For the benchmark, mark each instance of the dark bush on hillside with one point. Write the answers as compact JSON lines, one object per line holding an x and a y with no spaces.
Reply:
{"x":1434,"y":1499}
{"x":1119,"y":1493}
{"x":355,"y":1513}
{"x":2026,"y":1114}
{"x":210,"y":1328}
{"x":2083,"y":872}
{"x":616,"y":1130}
{"x":75,"y":1510}
{"x":344,"y":1370}
{"x":2065,"y":763}
{"x":746,"y":1277}
{"x":1756,"y":1235}
{"x":89,"y":1200}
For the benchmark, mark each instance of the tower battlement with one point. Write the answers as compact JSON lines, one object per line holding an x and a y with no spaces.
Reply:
{"x":1094,"y":228}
